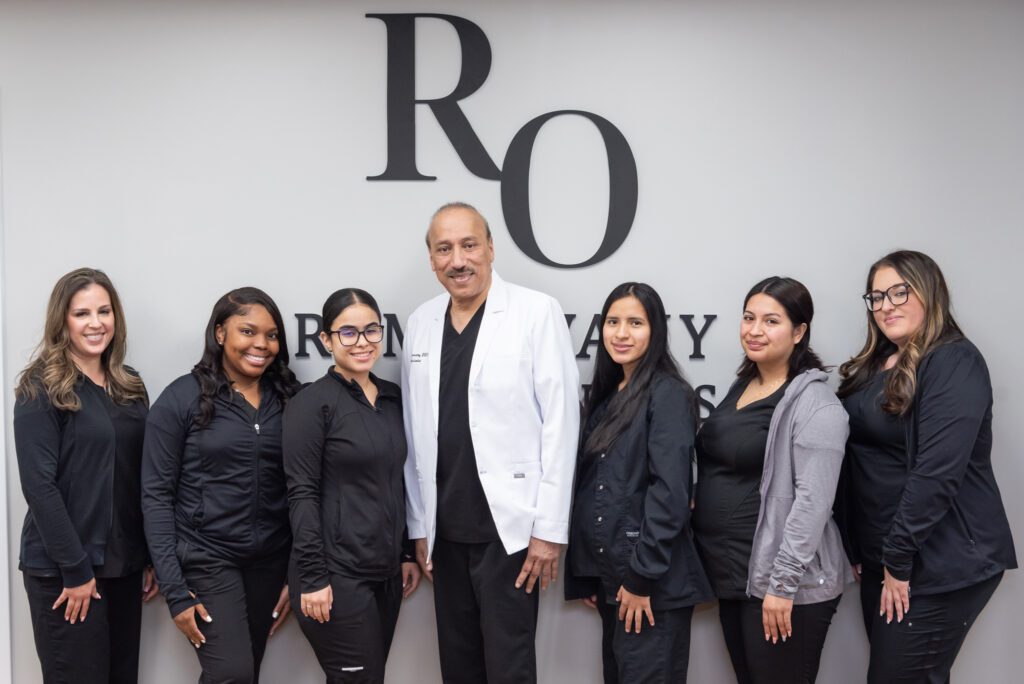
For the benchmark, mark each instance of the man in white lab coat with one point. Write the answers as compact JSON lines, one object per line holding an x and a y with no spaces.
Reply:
{"x":491,"y":395}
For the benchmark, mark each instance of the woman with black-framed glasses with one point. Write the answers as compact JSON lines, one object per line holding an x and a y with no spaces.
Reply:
{"x":919,"y":500}
{"x":344,"y":455}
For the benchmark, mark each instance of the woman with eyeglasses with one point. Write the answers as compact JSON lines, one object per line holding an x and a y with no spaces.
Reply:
{"x":921,"y":507}
{"x":344,"y":455}
{"x":631,"y":554}
{"x":214,"y":499}
{"x":769,"y":457}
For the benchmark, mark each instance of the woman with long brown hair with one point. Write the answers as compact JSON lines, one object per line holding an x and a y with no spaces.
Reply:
{"x":922,"y":509}
{"x":79,"y":417}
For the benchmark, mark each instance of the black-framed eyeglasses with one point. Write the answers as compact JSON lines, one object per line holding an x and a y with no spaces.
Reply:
{"x":897,"y":294}
{"x":348,"y":335}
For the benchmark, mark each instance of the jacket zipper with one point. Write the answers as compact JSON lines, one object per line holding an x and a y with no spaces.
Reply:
{"x":256,"y":487}
{"x":963,"y":522}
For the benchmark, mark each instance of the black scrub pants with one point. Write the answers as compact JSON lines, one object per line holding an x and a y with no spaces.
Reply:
{"x":923,"y":646}
{"x":657,"y":655}
{"x":352,"y":647}
{"x":485,"y":626}
{"x":104,"y":647}
{"x":240,"y":600}
{"x":757,"y":661}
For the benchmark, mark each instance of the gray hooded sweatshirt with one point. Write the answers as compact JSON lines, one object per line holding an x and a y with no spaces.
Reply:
{"x":797,"y":552}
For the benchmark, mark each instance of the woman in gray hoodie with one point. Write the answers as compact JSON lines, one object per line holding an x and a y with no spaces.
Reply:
{"x":768,"y":458}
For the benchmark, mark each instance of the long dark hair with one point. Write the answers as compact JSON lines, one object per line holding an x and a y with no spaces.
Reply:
{"x":929,"y":285}
{"x":210,"y":370}
{"x":341,"y":300}
{"x":799,"y":306}
{"x":607,"y":374}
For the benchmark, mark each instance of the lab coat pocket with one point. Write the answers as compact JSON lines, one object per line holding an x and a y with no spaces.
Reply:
{"x":525,"y":470}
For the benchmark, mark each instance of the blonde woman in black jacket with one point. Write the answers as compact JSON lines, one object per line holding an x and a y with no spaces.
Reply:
{"x":631,"y":552}
{"x":79,"y":417}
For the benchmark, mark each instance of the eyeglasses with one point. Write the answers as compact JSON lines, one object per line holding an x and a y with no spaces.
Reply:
{"x":348,"y":335}
{"x":897,"y":294}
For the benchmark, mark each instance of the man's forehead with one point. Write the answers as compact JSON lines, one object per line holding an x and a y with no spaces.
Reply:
{"x":457,"y":224}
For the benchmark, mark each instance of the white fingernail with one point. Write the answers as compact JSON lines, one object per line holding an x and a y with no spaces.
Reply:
{"x":208,"y":618}
{"x":274,"y":615}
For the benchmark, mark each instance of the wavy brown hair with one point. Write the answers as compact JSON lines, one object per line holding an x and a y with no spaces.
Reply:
{"x":52,"y":368}
{"x":927,"y":283}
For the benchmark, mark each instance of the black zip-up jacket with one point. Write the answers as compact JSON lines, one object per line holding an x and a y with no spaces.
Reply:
{"x":220,"y":489}
{"x":344,"y":461}
{"x":639,"y":532}
{"x":66,"y":460}
{"x":950,"y":528}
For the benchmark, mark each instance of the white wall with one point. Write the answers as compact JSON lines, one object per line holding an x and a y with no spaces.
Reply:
{"x":188,"y":148}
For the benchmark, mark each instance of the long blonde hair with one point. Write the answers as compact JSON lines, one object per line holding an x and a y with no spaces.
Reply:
{"x":52,"y":368}
{"x":928,"y":284}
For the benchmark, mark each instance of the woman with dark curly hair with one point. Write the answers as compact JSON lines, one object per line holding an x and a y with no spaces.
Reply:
{"x":921,"y":504}
{"x":214,"y":498}
{"x":79,"y":416}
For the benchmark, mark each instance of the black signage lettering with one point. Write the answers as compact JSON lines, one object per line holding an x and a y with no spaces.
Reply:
{"x":515,"y":172}
{"x":305,"y":335}
{"x":592,"y":338}
{"x":394,"y":329}
{"x":402,"y":101}
{"x":704,"y":402}
{"x":569,"y":318}
{"x":696,"y":336}
{"x":622,"y":189}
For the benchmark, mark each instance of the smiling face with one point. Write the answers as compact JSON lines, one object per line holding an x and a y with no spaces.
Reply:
{"x":250,"y":341}
{"x":461,"y":255}
{"x":353,"y":362}
{"x":626,"y":333}
{"x":767,"y":333}
{"x":898,"y":323}
{"x":90,"y":324}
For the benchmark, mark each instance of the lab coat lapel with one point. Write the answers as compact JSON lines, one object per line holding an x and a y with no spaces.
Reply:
{"x":490,"y":326}
{"x":434,"y":358}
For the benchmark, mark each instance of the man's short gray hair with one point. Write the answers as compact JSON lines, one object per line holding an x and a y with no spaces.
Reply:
{"x":457,"y":205}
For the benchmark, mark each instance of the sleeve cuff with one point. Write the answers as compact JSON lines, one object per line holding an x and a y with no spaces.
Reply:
{"x":78,"y":574}
{"x":899,"y":572}
{"x":776,"y":588}
{"x":637,"y":584}
{"x":554,"y":532}
{"x":417,"y":530}
{"x":176,"y":605}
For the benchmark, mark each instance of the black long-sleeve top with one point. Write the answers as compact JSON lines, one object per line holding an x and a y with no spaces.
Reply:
{"x":632,"y":507}
{"x":948,"y":528}
{"x":220,"y":488}
{"x":70,"y":462}
{"x":344,"y":460}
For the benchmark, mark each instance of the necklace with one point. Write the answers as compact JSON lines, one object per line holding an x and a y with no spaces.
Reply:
{"x":243,"y":390}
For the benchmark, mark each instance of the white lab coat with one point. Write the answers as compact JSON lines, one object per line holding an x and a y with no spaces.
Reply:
{"x":524,"y":414}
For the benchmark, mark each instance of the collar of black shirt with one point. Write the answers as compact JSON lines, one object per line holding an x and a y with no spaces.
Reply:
{"x":385,"y":390}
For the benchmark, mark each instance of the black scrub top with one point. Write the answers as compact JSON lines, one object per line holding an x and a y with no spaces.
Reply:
{"x":878,"y":467}
{"x":730,"y":459}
